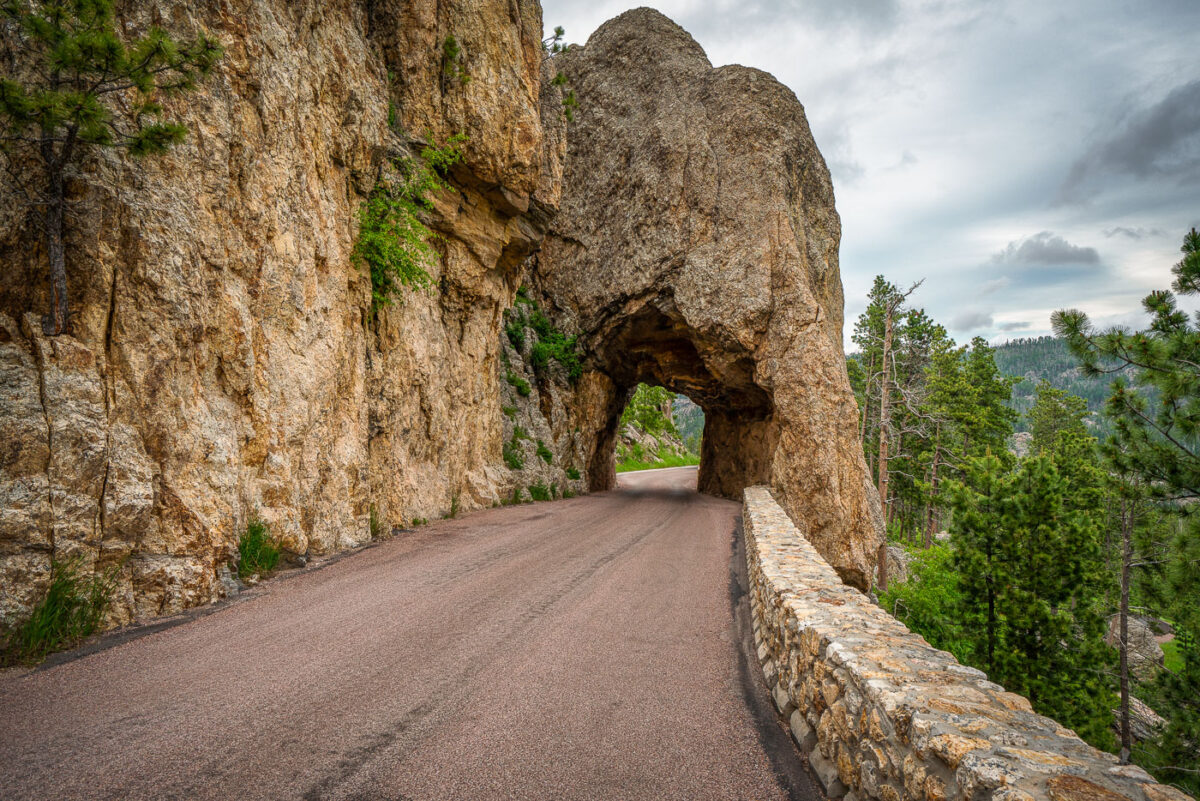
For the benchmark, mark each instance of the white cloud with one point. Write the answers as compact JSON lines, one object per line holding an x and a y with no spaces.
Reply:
{"x":971,"y":321}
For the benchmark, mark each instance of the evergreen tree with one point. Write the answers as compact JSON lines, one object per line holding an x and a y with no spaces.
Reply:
{"x":988,"y":420}
{"x":1056,"y":421}
{"x":1055,"y":412}
{"x":69,"y":71}
{"x":1029,"y":569}
{"x":1154,"y":406}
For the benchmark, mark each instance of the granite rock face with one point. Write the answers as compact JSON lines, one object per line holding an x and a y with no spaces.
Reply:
{"x":223,"y":361}
{"x":697,"y":248}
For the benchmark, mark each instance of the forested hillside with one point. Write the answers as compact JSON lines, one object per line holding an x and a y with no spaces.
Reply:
{"x":1047,"y":359}
{"x":649,"y":436}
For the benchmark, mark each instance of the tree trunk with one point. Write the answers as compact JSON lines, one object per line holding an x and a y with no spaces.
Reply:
{"x":865,"y":411}
{"x":884,"y":422}
{"x":1126,"y":561}
{"x":931,"y":517}
{"x":59,"y":318}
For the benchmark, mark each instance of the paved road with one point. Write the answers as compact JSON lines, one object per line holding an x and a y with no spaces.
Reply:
{"x":593,"y":648}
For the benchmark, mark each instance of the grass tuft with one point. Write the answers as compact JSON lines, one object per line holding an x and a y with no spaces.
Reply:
{"x":518,"y":383}
{"x":257,"y":549}
{"x":71,"y":610}
{"x":512,"y":454}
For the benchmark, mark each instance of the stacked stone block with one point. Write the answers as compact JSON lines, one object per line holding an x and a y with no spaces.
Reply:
{"x":883,"y":715}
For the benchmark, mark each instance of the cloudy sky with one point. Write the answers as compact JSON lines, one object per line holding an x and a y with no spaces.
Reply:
{"x":1019,"y":155}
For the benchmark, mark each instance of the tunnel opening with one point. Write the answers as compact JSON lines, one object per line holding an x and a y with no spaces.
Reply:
{"x":658,"y":428}
{"x":656,"y":364}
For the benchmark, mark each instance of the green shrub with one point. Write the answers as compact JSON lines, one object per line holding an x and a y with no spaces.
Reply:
{"x":539,"y":492}
{"x":509,"y":411}
{"x":516,"y":496}
{"x":376,"y":524}
{"x":552,"y":344}
{"x":71,"y":610}
{"x":544,"y":452}
{"x":454,"y":506}
{"x":393,"y":242}
{"x":452,"y":61}
{"x":554,"y":490}
{"x":519,"y":384}
{"x":928,"y":602}
{"x":512,"y":454}
{"x":568,"y":492}
{"x":419,"y":521}
{"x":539,"y":322}
{"x":573,"y":473}
{"x":514,"y":329}
{"x":258,"y":551}
{"x":560,"y":348}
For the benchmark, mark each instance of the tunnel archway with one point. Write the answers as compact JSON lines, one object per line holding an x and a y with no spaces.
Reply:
{"x":696,"y":248}
{"x":653,"y":345}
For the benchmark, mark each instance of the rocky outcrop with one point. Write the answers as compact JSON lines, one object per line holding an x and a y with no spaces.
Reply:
{"x":224,"y":362}
{"x":639,"y":444}
{"x":882,"y":714}
{"x":1145,"y":654}
{"x":697,"y":248}
{"x":898,"y":559}
{"x":1144,"y":723}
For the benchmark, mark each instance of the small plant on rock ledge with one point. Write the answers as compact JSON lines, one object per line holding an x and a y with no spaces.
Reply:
{"x":551,"y":344}
{"x":544,"y":452}
{"x":454,"y":68}
{"x":512,"y":455}
{"x":394,"y":243}
{"x":519,"y":384}
{"x":71,"y":610}
{"x":258,"y":552}
{"x":539,"y":492}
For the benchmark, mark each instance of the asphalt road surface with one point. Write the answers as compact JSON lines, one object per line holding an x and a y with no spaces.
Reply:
{"x":593,"y":648}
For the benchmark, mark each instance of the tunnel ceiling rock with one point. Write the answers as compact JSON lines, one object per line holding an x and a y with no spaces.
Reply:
{"x":697,"y":247}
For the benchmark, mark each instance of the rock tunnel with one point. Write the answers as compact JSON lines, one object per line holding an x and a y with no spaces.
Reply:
{"x":696,"y":248}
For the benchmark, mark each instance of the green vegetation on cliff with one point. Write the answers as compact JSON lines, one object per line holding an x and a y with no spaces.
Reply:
{"x":85,"y":89}
{"x":394,"y":243}
{"x":549,"y":343}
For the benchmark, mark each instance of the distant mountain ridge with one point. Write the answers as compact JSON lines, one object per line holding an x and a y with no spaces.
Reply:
{"x":1046,"y":358}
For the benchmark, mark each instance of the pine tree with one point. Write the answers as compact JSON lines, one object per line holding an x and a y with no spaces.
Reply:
{"x":1029,"y":570}
{"x":1055,"y":412}
{"x":70,"y":72}
{"x":1156,"y":441}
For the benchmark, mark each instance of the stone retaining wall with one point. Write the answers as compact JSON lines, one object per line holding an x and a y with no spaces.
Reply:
{"x":884,"y":715}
